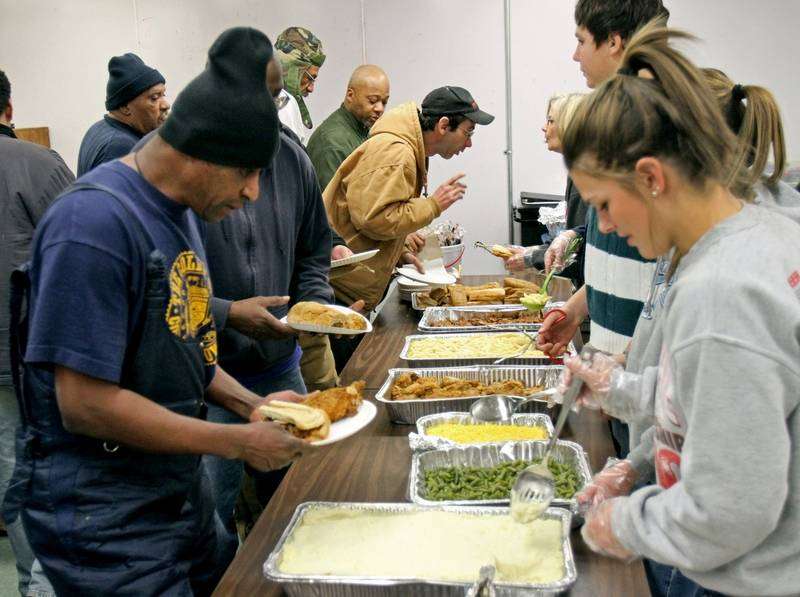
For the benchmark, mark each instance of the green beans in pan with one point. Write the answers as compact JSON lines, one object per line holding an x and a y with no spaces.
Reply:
{"x":474,"y":483}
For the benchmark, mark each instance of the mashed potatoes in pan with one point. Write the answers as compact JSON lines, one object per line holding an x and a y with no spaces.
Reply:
{"x":432,"y":545}
{"x":471,"y":346}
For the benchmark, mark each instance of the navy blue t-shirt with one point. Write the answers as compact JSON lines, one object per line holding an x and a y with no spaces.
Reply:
{"x":106,"y":140}
{"x":89,"y":271}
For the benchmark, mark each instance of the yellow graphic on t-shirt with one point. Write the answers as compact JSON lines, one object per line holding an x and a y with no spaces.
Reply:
{"x":209,"y":343}
{"x":189,"y":309}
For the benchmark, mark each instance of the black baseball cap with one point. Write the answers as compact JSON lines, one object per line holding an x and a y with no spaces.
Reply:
{"x":454,"y":100}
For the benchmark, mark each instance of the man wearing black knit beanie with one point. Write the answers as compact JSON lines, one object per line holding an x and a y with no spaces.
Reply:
{"x":137,"y":104}
{"x":123,"y":344}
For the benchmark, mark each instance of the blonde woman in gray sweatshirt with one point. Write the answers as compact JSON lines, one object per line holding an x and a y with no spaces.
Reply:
{"x":652,"y":153}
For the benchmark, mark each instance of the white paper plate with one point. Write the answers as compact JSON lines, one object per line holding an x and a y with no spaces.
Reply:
{"x":409,"y":284}
{"x":434,"y":273}
{"x":324,"y":329}
{"x":354,"y":258}
{"x":348,"y":426}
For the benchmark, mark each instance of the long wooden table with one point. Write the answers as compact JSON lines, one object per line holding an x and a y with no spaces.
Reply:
{"x":373,"y":466}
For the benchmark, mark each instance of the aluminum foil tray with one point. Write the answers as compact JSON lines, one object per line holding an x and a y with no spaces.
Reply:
{"x":462,"y":361}
{"x":298,"y":585}
{"x":488,"y":455}
{"x":433,"y":315}
{"x":408,"y":411}
{"x":559,"y":288}
{"x":421,"y":441}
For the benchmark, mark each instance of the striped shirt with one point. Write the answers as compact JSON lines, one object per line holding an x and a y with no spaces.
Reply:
{"x":617,"y":281}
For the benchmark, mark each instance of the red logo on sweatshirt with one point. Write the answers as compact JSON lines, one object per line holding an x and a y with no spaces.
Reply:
{"x":794,"y":279}
{"x":668,"y":467}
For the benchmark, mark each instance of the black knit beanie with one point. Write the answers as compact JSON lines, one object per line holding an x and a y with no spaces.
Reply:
{"x":128,"y":76}
{"x":226,"y":114}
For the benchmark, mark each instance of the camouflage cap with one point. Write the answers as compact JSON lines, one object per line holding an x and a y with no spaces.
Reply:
{"x":302,"y":45}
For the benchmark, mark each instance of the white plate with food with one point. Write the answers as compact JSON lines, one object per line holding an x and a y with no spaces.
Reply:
{"x":344,"y":428}
{"x":326,"y":319}
{"x":324,"y":417}
{"x":355,"y":258}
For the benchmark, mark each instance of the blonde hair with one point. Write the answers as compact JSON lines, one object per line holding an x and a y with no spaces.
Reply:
{"x":670,"y":114}
{"x":564,"y":105}
{"x":753,"y":115}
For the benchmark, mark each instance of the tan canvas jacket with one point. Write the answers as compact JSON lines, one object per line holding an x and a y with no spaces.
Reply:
{"x":374,"y":200}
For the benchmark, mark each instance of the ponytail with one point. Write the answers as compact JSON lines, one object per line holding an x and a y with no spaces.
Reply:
{"x":753,"y":115}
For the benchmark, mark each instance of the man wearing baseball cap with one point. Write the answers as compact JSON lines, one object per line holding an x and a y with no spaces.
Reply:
{"x":136,"y":103}
{"x":379,"y":193}
{"x":121,"y":349}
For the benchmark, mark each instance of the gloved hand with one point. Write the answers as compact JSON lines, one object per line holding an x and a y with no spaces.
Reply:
{"x":554,"y":256}
{"x":600,"y":537}
{"x":556,"y":332}
{"x":616,"y":479}
{"x":607,"y":386}
{"x":517,"y":261}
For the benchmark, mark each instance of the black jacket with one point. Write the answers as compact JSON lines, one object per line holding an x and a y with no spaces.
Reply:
{"x":279,"y":245}
{"x":31,"y":177}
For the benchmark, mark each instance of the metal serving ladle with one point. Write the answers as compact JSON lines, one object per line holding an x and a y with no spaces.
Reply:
{"x":500,"y":407}
{"x":534,"y":487}
{"x":484,"y":586}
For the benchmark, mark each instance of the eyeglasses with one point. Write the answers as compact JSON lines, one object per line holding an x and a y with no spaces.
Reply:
{"x":311,"y":78}
{"x":467,"y":133}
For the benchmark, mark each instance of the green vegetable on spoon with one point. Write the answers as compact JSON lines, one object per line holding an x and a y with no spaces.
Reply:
{"x":537,"y":301}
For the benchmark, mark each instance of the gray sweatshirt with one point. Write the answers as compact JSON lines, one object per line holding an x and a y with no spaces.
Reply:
{"x":648,"y":337}
{"x":726,"y":509}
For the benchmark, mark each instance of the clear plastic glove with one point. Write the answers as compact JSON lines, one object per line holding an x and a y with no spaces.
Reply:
{"x":554,"y":256}
{"x":607,"y":386}
{"x":600,"y":537}
{"x":556,"y":332}
{"x":516,"y":262}
{"x":616,"y":479}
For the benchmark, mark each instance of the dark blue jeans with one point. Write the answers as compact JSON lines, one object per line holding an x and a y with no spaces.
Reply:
{"x":667,"y":581}
{"x":226,"y":475}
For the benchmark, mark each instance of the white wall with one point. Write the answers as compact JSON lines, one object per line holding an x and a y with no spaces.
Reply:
{"x":56,"y":55}
{"x":407,"y":40}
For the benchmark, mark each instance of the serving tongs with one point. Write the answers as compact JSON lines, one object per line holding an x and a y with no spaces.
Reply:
{"x":541,"y":298}
{"x":481,"y":245}
{"x":507,"y":328}
{"x":531,"y":339}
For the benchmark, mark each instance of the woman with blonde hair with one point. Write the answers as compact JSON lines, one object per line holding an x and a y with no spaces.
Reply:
{"x":560,"y":109}
{"x":651,"y":151}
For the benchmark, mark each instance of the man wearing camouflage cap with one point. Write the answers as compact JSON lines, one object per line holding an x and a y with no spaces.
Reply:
{"x":301,"y":56}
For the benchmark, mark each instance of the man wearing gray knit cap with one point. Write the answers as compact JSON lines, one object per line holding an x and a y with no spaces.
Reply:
{"x":137,"y":104}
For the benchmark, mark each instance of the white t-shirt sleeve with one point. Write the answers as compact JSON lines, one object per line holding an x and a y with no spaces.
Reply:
{"x":290,"y":116}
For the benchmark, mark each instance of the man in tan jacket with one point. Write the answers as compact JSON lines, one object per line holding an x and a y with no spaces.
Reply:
{"x":379,"y":193}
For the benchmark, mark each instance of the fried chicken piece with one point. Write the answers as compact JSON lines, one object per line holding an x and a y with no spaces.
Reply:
{"x":338,"y":403}
{"x":410,"y":386}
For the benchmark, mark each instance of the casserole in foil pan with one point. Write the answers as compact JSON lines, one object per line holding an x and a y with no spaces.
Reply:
{"x":326,"y":585}
{"x":421,"y":440}
{"x":408,"y":411}
{"x":434,"y":317}
{"x":443,"y":361}
{"x":489,"y":455}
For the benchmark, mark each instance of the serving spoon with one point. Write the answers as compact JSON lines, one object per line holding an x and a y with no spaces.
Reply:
{"x":535,"y":487}
{"x":500,"y":407}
